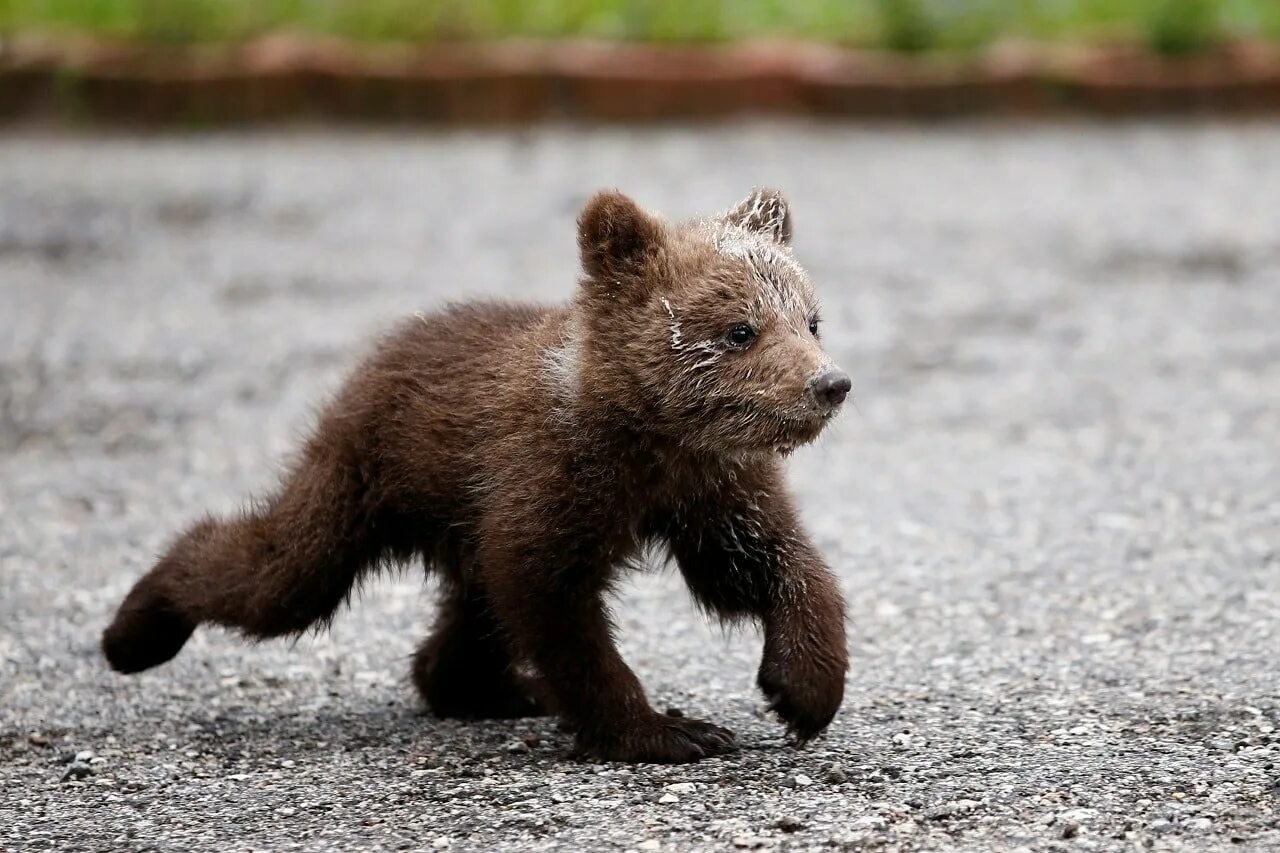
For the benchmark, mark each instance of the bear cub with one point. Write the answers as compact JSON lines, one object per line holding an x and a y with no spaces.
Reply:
{"x":528,"y":454}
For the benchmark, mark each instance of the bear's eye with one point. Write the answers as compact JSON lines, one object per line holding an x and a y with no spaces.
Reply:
{"x":813,"y":325}
{"x":740,"y":336}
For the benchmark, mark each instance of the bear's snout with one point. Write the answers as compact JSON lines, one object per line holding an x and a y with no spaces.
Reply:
{"x":830,"y":387}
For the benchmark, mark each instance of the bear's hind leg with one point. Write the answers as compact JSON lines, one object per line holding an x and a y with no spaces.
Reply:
{"x":278,"y":570}
{"x":464,"y":669}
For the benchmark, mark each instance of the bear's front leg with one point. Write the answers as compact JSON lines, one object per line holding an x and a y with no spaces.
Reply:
{"x":802,"y":670}
{"x":548,"y":597}
{"x":744,"y":554}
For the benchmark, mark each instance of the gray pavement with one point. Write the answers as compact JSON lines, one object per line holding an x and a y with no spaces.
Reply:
{"x":1056,"y":512}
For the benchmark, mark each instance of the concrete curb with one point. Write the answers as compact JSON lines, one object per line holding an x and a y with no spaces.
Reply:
{"x":517,"y":82}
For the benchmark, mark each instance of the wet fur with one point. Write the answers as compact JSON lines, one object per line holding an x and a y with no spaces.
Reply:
{"x":527,"y":454}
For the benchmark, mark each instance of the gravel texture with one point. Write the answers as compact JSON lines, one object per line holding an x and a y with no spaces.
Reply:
{"x":1056,"y":512}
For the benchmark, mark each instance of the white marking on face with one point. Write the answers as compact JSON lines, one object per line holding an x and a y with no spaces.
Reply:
{"x":677,"y":336}
{"x":708,"y":352}
{"x":781,"y":281}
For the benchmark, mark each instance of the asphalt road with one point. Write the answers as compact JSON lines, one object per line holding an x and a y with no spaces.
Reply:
{"x":1055,"y":512}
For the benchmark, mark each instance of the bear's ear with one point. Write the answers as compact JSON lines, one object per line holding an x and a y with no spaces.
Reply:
{"x":766,"y":212}
{"x":615,"y":237}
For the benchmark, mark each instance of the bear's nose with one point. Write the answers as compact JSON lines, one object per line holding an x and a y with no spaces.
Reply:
{"x":830,"y":387}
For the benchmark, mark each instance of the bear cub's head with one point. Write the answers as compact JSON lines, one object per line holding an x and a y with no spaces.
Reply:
{"x":705,"y":331}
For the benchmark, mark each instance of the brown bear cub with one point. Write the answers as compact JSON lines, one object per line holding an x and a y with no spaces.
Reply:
{"x":528,"y":454}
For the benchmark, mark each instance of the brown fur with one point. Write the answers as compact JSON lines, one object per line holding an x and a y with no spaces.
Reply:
{"x":527,"y":454}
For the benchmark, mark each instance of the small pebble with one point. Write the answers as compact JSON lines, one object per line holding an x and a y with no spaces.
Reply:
{"x":668,"y":798}
{"x":834,"y":775}
{"x":803,"y":780}
{"x":76,"y":772}
{"x":955,"y":808}
{"x":788,"y":823}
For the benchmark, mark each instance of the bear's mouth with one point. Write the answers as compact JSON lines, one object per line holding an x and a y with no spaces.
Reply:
{"x":804,"y":430}
{"x":780,"y":430}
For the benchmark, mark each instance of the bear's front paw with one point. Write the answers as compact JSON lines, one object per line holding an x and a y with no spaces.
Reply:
{"x":804,"y":692}
{"x":658,"y":739}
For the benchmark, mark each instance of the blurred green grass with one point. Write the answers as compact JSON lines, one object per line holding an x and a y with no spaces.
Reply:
{"x":1168,"y":26}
